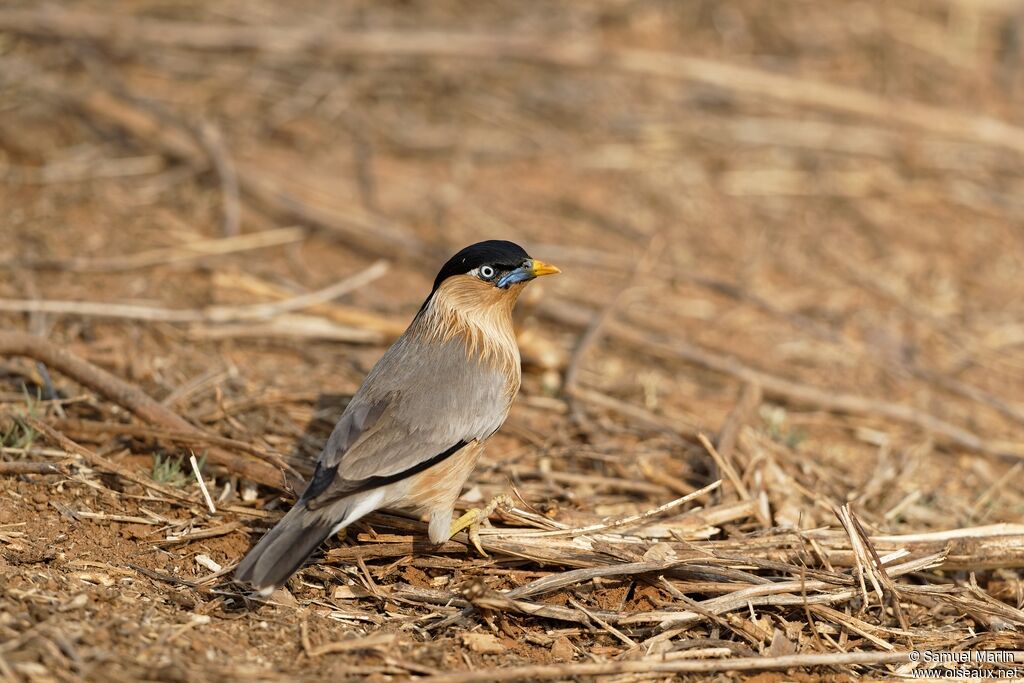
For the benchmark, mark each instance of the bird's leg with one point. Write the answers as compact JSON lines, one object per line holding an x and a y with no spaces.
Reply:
{"x":474,"y":516}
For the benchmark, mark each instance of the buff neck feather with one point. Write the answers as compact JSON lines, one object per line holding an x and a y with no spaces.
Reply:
{"x":478,"y":312}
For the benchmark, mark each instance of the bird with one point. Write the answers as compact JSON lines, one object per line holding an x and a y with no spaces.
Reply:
{"x":414,"y":430}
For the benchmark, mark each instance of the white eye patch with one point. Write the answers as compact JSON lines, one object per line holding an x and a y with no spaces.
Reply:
{"x":486,"y":272}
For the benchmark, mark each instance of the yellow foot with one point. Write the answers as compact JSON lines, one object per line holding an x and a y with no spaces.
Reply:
{"x":474,"y":516}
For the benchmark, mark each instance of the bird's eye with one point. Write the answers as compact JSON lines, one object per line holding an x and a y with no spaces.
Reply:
{"x":486,"y":272}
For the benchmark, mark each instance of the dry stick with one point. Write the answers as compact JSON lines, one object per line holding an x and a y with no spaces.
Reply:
{"x":986,"y":531}
{"x":10,"y":469}
{"x":213,"y":142}
{"x":192,"y":437}
{"x":364,"y":277}
{"x":211,"y":314}
{"x":211,"y":532}
{"x":83,"y":169}
{"x":162,"y":577}
{"x":783,"y":388}
{"x":630,"y":521}
{"x":579,"y":53}
{"x":99,"y":309}
{"x":725,"y":467}
{"x":129,"y":397}
{"x":389,"y":328}
{"x":862,"y":563}
{"x":373,"y":641}
{"x":856,"y":625}
{"x":189,"y":251}
{"x":500,"y":603}
{"x":289,"y":326}
{"x":202,"y":483}
{"x":626,"y":640}
{"x":883,"y":576}
{"x":739,"y":629}
{"x":985,"y":547}
{"x":1010,"y":478}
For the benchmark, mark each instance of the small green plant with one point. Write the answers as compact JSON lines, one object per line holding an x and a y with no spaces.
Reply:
{"x":792,"y":437}
{"x":778,"y":430}
{"x":168,"y":470}
{"x":16,"y":434}
{"x":172,"y":470}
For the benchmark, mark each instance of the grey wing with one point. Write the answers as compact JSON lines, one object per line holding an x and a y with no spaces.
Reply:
{"x":420,"y":404}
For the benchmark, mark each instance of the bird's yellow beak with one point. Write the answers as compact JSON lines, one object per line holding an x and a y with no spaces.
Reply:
{"x":539,"y":268}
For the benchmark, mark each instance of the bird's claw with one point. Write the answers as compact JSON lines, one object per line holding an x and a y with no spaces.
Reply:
{"x":473,"y":517}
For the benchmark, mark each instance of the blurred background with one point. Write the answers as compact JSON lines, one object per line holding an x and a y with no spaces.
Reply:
{"x":817,"y":205}
{"x":829,"y":191}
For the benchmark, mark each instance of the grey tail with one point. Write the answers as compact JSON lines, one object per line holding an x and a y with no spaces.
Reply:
{"x":283,"y":550}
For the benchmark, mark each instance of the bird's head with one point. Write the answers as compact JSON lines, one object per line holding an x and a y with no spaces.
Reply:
{"x":485,"y":275}
{"x":496,"y":263}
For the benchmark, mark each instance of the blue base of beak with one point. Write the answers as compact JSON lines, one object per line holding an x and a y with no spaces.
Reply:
{"x":520,"y":274}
